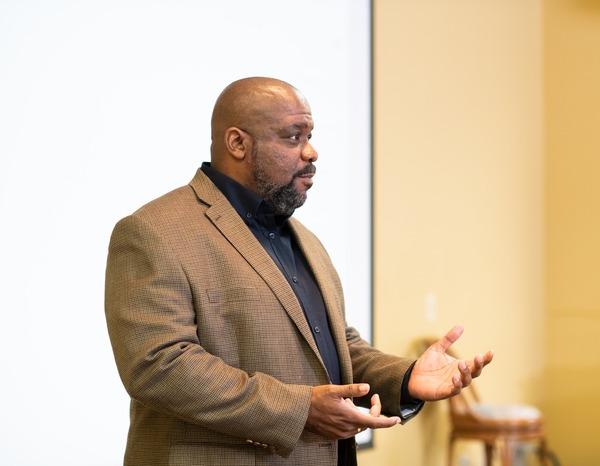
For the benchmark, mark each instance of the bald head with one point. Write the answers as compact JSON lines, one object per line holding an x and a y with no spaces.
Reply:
{"x":251,"y":104}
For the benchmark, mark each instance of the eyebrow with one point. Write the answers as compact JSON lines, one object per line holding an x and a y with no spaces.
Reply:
{"x":299,"y":126}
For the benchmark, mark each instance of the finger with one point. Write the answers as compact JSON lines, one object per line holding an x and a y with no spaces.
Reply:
{"x":476,"y":366}
{"x":379,"y":422}
{"x":486,"y":358}
{"x":479,"y":362}
{"x":456,"y":384}
{"x":360,"y":418}
{"x":349,"y":402}
{"x":375,"y":406}
{"x":351,"y":431}
{"x":465,"y":373}
{"x":454,"y":334}
{"x":351,"y":390}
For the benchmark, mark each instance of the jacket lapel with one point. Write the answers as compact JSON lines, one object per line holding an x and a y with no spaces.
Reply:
{"x":318,"y":264}
{"x":232,"y":227}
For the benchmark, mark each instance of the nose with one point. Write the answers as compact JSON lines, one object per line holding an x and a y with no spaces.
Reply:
{"x":309,"y":154}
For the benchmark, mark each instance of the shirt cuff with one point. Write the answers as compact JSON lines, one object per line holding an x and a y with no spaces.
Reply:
{"x":409,"y":406}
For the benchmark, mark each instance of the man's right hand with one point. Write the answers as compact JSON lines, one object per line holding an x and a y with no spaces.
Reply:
{"x":333,"y":416}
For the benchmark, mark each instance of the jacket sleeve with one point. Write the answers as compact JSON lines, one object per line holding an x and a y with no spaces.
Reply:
{"x":383,"y":372}
{"x":151,"y":323}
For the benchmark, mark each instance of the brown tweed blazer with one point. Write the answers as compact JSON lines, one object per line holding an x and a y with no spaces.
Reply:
{"x":211,"y":342}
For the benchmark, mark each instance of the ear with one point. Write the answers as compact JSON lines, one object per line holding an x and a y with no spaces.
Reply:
{"x":237,"y":142}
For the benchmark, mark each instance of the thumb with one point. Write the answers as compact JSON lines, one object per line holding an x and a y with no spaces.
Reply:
{"x":352,"y":390}
{"x":454,"y":334}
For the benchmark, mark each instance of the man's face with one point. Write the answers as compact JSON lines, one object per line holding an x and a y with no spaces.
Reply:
{"x":282,"y":156}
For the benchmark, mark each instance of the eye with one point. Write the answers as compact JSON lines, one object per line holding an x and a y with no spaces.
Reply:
{"x":296,"y":137}
{"x":309,"y":137}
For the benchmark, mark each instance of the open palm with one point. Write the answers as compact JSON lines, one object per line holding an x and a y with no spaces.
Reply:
{"x":437,"y":375}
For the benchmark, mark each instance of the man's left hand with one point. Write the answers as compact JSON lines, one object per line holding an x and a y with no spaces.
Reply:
{"x":437,"y":375}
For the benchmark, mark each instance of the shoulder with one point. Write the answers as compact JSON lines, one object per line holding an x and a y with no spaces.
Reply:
{"x":169,"y":207}
{"x":183,"y":205}
{"x":169,"y":220}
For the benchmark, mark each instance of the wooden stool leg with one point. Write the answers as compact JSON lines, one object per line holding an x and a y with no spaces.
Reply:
{"x":489,"y":453}
{"x":506,"y":453}
{"x":451,"y":449}
{"x":543,"y":453}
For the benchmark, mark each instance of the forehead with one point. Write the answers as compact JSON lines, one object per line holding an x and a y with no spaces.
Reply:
{"x":296,"y":121}
{"x":291,"y":109}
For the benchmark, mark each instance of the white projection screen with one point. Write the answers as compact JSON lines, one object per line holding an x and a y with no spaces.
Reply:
{"x":105,"y":105}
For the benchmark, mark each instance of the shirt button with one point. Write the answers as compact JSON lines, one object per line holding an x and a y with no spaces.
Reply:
{"x":272,"y":235}
{"x":317,"y":329}
{"x":295,"y":279}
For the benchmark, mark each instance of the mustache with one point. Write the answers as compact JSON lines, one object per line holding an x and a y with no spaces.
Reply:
{"x":310,"y":169}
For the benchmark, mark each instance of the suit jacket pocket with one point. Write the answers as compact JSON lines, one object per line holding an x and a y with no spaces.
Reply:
{"x":208,"y":454}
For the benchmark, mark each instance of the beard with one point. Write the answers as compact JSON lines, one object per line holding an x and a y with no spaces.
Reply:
{"x":284,"y":199}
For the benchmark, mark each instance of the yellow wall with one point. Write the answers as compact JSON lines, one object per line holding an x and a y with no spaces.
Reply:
{"x":459,"y":196}
{"x":572,"y":123}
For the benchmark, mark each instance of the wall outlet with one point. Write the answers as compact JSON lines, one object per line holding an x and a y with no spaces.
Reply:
{"x":431,"y":306}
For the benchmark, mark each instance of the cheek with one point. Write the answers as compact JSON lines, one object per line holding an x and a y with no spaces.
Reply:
{"x":279,"y":163}
{"x":284,"y":166}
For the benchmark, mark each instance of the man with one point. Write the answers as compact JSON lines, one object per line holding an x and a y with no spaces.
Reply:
{"x":226,"y":315}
